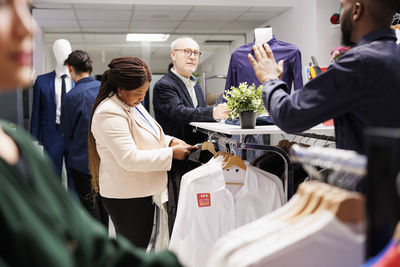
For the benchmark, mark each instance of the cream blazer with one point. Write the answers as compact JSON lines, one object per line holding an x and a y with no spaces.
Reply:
{"x":133,"y":160}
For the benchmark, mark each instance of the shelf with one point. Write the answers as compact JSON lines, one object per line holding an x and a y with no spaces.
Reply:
{"x":221,"y":127}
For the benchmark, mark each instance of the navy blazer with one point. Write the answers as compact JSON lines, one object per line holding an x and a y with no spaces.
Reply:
{"x":173,"y":108}
{"x":43,"y":119}
{"x":74,"y":121}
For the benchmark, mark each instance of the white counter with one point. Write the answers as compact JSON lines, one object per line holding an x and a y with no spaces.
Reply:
{"x":221,"y":127}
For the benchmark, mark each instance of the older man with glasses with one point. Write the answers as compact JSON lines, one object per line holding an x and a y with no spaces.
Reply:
{"x":179,"y":100}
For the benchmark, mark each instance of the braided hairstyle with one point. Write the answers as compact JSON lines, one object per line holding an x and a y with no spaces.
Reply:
{"x":125,"y":73}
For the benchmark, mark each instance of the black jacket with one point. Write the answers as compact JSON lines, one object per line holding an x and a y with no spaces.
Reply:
{"x":173,"y":108}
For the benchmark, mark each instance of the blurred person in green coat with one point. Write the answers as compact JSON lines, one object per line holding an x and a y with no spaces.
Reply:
{"x":40,"y":223}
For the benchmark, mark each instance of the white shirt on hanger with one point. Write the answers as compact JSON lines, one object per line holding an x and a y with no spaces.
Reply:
{"x":207,"y":210}
{"x":57,"y":86}
{"x":248,"y":234}
{"x":316,"y":240}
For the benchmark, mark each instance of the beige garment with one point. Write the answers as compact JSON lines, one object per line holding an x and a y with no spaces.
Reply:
{"x":133,"y":160}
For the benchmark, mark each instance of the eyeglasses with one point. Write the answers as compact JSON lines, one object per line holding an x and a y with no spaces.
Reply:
{"x":189,"y":52}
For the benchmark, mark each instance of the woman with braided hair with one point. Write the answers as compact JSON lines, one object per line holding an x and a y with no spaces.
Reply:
{"x":129,"y":154}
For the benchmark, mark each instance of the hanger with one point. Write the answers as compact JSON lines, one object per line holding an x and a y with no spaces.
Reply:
{"x":283,"y":144}
{"x":234,"y":161}
{"x":221,"y":153}
{"x":207,"y":145}
{"x":304,"y":191}
{"x":347,"y":206}
{"x":317,"y":197}
{"x":396,"y":20}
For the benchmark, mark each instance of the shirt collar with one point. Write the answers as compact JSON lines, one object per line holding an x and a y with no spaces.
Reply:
{"x":58,"y":75}
{"x":191,"y":82}
{"x":386,"y":33}
{"x":250,"y":184}
{"x":270,"y":42}
{"x":85,"y":80}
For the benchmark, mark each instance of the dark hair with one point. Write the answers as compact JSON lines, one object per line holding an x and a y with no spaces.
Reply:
{"x":170,"y":65}
{"x":80,"y":61}
{"x":126,"y":73}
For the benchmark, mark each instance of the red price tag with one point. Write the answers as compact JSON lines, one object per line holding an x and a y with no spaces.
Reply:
{"x":203,"y":200}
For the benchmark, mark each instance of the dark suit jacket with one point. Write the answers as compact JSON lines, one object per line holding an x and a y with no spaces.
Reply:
{"x":43,"y":120}
{"x":173,"y":108}
{"x":74,"y":121}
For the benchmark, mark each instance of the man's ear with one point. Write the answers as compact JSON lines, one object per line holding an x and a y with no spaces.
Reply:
{"x":173,"y":56}
{"x":70,"y":69}
{"x":358,"y":11}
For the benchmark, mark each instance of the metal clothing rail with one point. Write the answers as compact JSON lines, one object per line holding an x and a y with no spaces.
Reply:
{"x":332,"y":158}
{"x":231,"y":144}
{"x":317,"y":136}
{"x":288,"y":182}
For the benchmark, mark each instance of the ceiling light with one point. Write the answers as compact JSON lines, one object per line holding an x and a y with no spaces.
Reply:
{"x":140,"y":37}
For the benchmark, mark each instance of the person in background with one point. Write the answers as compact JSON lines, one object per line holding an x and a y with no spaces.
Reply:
{"x":74,"y":122}
{"x":360,"y":90}
{"x":39,"y":220}
{"x":178,"y":99}
{"x":129,"y":153}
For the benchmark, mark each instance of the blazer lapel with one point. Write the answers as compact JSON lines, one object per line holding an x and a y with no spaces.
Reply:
{"x":143,"y":123}
{"x":52,"y":86}
{"x":182,"y":87}
{"x":200,"y":97}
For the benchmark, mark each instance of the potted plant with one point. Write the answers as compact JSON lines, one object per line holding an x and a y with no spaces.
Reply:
{"x":245,"y":102}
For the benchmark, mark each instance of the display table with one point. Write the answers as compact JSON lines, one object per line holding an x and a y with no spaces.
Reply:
{"x":224,"y":128}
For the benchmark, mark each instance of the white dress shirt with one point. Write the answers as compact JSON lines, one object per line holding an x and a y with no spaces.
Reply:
{"x":248,"y":234}
{"x":207,"y":209}
{"x":57,"y":86}
{"x":316,"y":240}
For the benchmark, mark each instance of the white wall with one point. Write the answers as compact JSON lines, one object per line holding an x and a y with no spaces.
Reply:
{"x":218,"y":65}
{"x":298,"y":26}
{"x":308,"y":26}
{"x":328,"y":35}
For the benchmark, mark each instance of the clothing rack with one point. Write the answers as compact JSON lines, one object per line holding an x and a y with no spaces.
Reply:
{"x":332,"y":158}
{"x":231,"y":145}
{"x":317,"y":136}
{"x":382,"y":183}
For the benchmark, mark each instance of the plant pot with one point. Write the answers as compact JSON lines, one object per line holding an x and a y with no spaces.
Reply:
{"x":248,"y":119}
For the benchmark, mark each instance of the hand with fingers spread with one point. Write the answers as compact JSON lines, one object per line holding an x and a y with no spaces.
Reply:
{"x":264,"y":64}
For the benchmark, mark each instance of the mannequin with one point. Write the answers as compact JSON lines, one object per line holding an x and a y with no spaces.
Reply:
{"x":46,"y":108}
{"x":262,"y":35}
{"x":240,"y":70}
{"x":61,"y":50}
